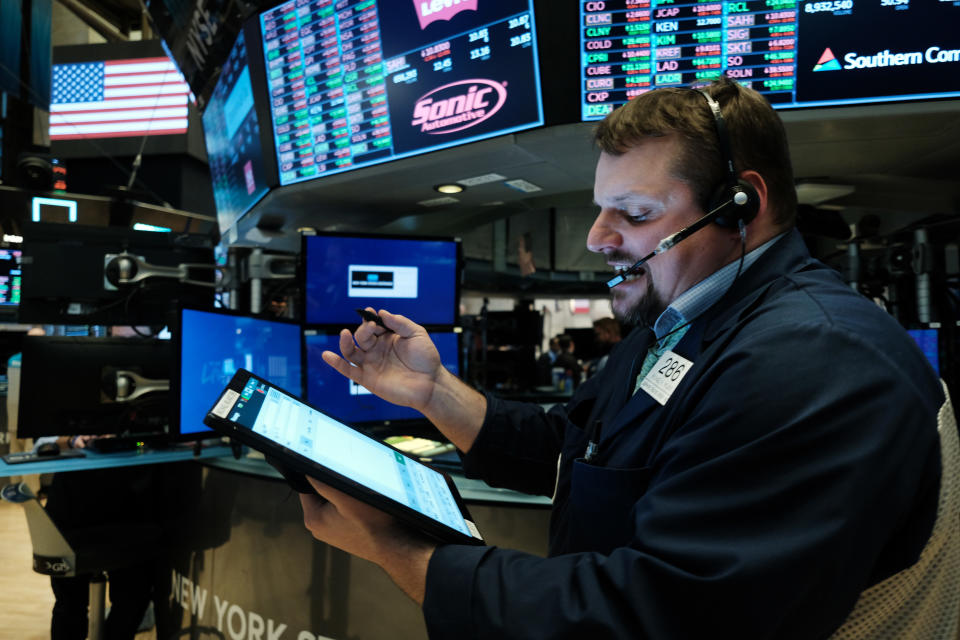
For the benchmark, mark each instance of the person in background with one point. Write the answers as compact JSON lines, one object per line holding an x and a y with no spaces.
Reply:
{"x":80,"y":504}
{"x":545,"y":362}
{"x":759,"y":458}
{"x":566,"y":360}
{"x":606,"y":332}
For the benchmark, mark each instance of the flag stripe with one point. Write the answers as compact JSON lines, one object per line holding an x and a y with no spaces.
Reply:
{"x":115,"y":116}
{"x":120,"y":134}
{"x":142,"y":78}
{"x":111,"y":127}
{"x":119,"y":104}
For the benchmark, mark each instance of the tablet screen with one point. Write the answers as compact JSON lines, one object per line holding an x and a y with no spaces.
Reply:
{"x":300,"y":428}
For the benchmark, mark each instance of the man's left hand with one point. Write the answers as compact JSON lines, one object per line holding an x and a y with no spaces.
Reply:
{"x":344,"y":522}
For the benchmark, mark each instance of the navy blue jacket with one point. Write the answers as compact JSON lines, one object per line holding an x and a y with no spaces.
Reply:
{"x":796,"y":465}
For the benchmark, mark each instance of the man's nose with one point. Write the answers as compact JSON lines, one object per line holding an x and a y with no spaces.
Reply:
{"x":603,"y":235}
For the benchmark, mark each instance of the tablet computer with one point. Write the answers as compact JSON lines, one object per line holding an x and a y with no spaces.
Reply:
{"x":301,"y":440}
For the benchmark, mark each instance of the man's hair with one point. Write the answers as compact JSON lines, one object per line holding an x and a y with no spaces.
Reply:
{"x":758,"y":140}
{"x":564,"y":341}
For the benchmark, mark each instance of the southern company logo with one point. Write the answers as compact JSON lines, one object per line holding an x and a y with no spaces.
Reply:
{"x":881,"y":59}
{"x":430,"y":10}
{"x":827,"y":62}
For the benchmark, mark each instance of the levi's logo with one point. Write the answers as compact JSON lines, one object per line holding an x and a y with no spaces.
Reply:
{"x":458,"y":105}
{"x":430,"y":10}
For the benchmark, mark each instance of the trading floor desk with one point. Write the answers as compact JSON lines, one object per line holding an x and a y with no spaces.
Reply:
{"x":95,"y":460}
{"x":244,"y":566}
{"x":270,"y":577}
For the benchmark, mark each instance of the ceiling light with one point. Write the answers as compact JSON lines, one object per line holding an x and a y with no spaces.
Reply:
{"x":451,"y":187}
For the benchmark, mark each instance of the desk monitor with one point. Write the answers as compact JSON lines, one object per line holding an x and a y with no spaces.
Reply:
{"x":415,"y":277}
{"x":212,"y":345}
{"x":349,"y":402}
{"x":928,"y":341}
{"x":71,"y":274}
{"x":80,"y":386}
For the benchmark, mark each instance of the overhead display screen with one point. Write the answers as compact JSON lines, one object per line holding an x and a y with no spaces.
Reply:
{"x":118,"y":98}
{"x":10,"y":277}
{"x":358,"y":82}
{"x":232,"y":134}
{"x":797,"y":53}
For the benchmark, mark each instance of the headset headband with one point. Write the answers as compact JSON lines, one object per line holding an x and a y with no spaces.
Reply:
{"x":722,"y":138}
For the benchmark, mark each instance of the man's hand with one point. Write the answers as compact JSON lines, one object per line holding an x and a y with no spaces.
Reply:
{"x":341,"y":521}
{"x":401,"y":365}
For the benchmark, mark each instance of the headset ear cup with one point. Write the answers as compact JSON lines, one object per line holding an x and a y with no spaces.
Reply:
{"x":731,"y":217}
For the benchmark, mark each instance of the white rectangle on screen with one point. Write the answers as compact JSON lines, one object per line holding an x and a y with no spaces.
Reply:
{"x":381,"y":281}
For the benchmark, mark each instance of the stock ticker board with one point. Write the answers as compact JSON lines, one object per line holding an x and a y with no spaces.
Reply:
{"x":796,"y":53}
{"x":354,"y":83}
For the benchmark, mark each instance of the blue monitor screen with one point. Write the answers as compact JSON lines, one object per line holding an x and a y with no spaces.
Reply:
{"x":214,"y":345}
{"x":926,"y":339}
{"x":232,"y":134}
{"x":416,"y":278}
{"x":797,"y":53}
{"x":347,"y":401}
{"x":359,"y":82}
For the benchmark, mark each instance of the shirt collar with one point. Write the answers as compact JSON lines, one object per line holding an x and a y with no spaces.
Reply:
{"x":701,"y":296}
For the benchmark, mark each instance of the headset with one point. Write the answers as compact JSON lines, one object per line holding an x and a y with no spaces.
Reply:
{"x":732,"y":206}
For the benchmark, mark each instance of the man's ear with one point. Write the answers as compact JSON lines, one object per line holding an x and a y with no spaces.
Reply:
{"x":760,"y":186}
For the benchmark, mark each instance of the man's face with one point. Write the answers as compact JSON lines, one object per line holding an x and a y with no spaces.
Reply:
{"x":641,"y":203}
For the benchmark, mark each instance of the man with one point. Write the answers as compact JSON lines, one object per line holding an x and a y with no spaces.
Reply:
{"x":794,"y":464}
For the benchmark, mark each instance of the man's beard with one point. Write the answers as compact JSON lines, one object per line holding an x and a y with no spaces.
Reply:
{"x":645,"y":312}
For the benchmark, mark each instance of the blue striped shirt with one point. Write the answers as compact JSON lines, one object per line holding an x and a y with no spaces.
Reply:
{"x":690,"y":304}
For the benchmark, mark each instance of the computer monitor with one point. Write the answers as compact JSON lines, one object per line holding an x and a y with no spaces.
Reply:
{"x":9,"y":282}
{"x":415,"y":277}
{"x":929,"y":343}
{"x":356,"y":84}
{"x":98,"y":386}
{"x":211,"y":345}
{"x":75,"y":274}
{"x":120,"y":99}
{"x":797,"y":54}
{"x":347,"y":401}
{"x":232,"y":131}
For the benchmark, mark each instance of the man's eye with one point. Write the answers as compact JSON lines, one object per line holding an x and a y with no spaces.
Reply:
{"x":637,"y":216}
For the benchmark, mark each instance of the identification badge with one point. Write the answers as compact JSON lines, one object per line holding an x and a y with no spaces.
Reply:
{"x":225,"y":403}
{"x":665,"y":376}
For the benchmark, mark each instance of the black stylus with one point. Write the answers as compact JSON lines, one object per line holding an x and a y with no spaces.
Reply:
{"x":369,"y":316}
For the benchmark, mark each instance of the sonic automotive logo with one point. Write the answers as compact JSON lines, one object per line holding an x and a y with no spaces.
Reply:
{"x":881,"y":59}
{"x":430,"y":10}
{"x":458,"y":105}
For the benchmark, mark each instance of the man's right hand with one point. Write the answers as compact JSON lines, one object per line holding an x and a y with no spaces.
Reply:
{"x":401,"y":365}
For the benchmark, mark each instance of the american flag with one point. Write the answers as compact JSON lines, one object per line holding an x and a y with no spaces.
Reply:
{"x":117,"y":98}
